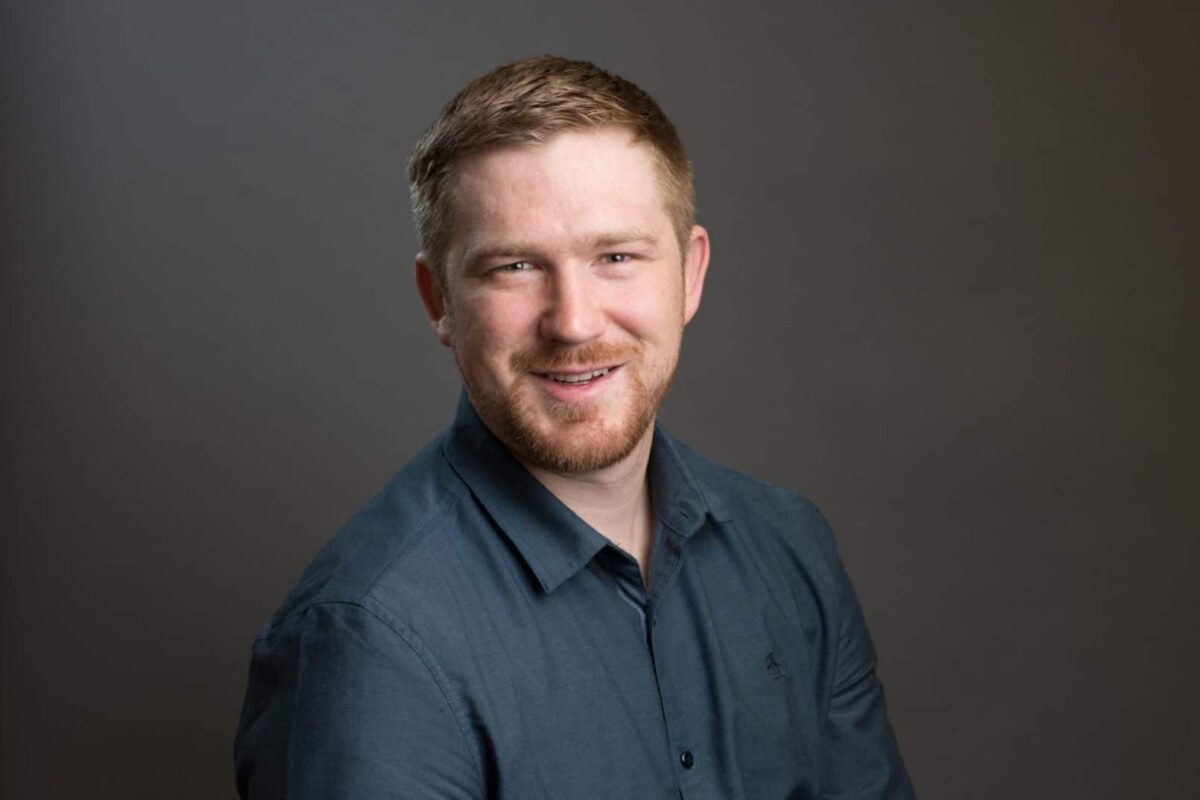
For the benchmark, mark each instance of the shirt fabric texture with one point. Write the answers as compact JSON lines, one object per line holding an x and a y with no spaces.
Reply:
{"x":466,"y":635}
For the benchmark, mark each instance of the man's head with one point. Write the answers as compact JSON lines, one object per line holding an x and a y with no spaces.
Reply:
{"x":559,"y":260}
{"x":530,"y":102}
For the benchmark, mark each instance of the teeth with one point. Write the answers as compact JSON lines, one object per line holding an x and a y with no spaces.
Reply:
{"x":581,"y":377}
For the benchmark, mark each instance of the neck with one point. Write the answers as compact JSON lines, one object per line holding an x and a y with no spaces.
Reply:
{"x":614,"y":500}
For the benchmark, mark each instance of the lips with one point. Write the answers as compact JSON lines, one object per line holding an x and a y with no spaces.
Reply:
{"x":578,"y":377}
{"x":574,"y":383}
{"x":574,"y":373}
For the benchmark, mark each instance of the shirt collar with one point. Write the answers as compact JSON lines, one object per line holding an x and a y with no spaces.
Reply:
{"x":551,"y":538}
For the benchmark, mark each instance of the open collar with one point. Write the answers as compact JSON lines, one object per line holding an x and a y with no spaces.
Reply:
{"x":554,"y":541}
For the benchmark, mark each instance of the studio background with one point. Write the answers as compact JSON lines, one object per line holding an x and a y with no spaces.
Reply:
{"x":953,"y":300}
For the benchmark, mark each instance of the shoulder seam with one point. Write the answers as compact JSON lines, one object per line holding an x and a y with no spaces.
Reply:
{"x":415,"y":540}
{"x":357,"y":598}
{"x":439,"y":678}
{"x":407,"y":635}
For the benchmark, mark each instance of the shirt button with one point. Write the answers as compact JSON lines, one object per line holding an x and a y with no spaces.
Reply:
{"x":686,"y":759}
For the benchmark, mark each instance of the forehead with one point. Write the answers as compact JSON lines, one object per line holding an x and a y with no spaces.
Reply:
{"x":577,"y":186}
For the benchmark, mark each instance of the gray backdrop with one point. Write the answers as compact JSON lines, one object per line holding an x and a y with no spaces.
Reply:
{"x":953,"y":299}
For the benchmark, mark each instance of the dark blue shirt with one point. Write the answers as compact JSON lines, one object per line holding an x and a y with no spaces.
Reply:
{"x":466,"y":635}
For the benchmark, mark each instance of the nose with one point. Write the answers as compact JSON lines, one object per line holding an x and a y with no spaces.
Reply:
{"x":573,"y":314}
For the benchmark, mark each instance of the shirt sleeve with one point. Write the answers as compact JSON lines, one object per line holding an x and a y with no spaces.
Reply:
{"x":861,"y":759}
{"x":340,"y":705}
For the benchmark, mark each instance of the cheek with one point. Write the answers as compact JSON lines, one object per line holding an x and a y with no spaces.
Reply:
{"x":651,"y":313}
{"x":492,"y":326}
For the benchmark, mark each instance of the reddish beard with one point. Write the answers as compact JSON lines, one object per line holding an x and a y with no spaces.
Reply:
{"x":582,"y":437}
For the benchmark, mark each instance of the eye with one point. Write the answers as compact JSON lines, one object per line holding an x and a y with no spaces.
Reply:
{"x":516,"y":266}
{"x":616,"y":258}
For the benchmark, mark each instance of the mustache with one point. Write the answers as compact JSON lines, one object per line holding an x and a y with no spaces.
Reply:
{"x":552,"y":358}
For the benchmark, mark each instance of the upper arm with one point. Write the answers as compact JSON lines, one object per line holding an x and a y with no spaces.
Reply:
{"x":339,"y":705}
{"x":860,"y":758}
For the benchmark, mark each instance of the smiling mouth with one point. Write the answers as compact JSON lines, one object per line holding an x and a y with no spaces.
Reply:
{"x":578,"y":378}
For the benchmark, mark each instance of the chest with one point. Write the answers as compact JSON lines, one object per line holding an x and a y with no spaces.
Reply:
{"x":711,"y":689}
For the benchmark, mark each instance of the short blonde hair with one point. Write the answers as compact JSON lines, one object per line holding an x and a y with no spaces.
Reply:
{"x":528,"y":102}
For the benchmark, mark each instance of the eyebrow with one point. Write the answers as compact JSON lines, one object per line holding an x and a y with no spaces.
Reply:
{"x":509,"y":250}
{"x":601,"y":241}
{"x":623,"y":238}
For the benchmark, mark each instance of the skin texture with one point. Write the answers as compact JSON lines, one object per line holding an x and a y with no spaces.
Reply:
{"x":564,"y":260}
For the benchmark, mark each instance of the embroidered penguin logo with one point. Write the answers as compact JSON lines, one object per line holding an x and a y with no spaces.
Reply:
{"x":774,"y":668}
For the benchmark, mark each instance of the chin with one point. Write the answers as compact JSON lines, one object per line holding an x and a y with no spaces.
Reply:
{"x":568,"y":439}
{"x":582,"y":447}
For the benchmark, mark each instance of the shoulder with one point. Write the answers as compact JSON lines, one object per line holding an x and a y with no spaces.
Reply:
{"x":409,"y":517}
{"x":772,"y":515}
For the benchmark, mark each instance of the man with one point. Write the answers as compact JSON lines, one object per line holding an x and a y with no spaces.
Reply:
{"x":556,"y":599}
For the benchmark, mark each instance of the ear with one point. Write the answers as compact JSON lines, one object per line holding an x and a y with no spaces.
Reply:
{"x":429,"y":287}
{"x":695,"y":267}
